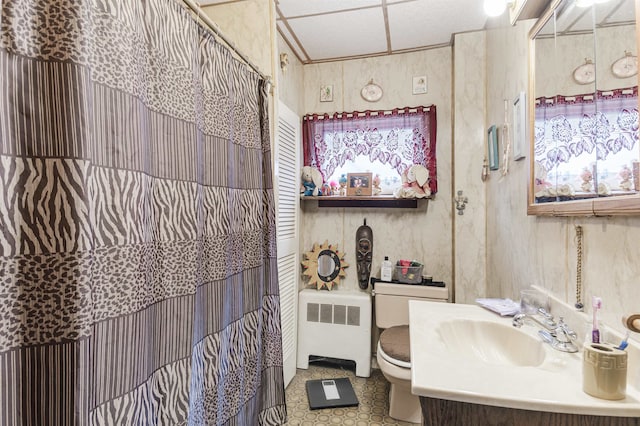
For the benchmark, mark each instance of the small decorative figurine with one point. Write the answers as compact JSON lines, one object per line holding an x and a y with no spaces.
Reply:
{"x":586,"y":177}
{"x":541,"y":184}
{"x":311,"y":181}
{"x":625,"y":176}
{"x":376,"y":185}
{"x":414,"y":183}
{"x":343,"y":185}
{"x":334,"y":187}
{"x":364,"y":254}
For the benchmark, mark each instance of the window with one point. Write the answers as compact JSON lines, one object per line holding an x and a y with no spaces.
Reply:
{"x":385,"y":143}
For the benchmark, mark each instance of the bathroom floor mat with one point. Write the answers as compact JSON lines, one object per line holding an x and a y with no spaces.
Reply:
{"x":330,"y":393}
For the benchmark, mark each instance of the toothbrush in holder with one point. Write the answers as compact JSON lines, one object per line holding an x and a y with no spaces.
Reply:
{"x":596,"y":303}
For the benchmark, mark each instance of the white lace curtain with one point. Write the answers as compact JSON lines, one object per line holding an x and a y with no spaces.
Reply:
{"x":400,"y":138}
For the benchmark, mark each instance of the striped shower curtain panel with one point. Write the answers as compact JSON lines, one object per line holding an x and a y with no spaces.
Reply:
{"x":138,"y":281}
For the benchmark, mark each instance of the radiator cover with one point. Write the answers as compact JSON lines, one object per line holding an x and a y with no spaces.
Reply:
{"x":335,"y":324}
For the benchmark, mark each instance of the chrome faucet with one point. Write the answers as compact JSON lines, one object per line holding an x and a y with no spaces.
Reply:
{"x":541,"y":318}
{"x":558,"y":335}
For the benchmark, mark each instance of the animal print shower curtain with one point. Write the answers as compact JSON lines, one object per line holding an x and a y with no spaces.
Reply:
{"x":138,"y":281}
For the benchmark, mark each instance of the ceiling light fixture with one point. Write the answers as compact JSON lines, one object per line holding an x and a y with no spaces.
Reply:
{"x":495,"y":7}
{"x":589,"y":3}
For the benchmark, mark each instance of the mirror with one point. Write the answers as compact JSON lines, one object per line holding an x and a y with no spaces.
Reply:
{"x":583,"y":110}
{"x":328,"y":265}
{"x":323,"y":266}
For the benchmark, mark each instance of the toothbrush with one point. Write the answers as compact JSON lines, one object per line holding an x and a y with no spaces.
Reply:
{"x":596,"y":302}
{"x":623,"y":345}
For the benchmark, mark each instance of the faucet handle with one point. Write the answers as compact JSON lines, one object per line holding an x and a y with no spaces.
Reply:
{"x":546,"y":336}
{"x":518,"y":320}
{"x":564,"y":329}
{"x":548,"y":318}
{"x":564,"y":338}
{"x":543,"y":312}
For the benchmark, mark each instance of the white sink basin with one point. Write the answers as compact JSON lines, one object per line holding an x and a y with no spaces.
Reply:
{"x":492,"y":343}
{"x":466,"y":353}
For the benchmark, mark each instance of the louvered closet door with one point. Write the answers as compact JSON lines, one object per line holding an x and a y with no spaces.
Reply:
{"x":287,"y":169}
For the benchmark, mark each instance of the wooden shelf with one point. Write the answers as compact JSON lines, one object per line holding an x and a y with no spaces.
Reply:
{"x":375,"y":201}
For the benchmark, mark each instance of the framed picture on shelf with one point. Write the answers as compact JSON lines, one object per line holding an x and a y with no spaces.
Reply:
{"x":359,"y":184}
{"x":492,"y":148}
{"x":519,"y":127}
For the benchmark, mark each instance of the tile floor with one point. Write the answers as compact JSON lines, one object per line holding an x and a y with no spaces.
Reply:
{"x":372,"y":393}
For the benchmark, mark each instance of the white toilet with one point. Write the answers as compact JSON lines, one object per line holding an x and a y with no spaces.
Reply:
{"x":392,"y":315}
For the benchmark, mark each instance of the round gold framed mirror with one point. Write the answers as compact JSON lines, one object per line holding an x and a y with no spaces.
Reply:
{"x":324,"y":265}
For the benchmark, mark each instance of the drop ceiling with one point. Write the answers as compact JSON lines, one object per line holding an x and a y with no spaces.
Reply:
{"x":337,"y":29}
{"x":326,"y":30}
{"x":330,"y":30}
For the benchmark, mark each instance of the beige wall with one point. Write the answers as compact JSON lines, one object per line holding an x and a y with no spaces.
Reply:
{"x":424,"y":233}
{"x":290,"y":83}
{"x":470,"y":70}
{"x":249,"y":25}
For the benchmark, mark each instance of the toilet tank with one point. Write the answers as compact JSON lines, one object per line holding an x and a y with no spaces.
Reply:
{"x":392,"y":301}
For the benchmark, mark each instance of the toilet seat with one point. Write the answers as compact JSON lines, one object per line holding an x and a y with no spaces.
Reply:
{"x":396,"y":342}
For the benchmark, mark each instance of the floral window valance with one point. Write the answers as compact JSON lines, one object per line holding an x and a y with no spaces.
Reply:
{"x":398,"y":138}
{"x":573,"y":134}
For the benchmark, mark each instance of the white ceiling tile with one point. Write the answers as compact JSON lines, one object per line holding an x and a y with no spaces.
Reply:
{"x":624,"y":13}
{"x":574,"y":18}
{"x":332,"y":29}
{"x":342,"y":34}
{"x":584,"y":23}
{"x":413,"y":25}
{"x":568,"y":18}
{"x":310,"y":7}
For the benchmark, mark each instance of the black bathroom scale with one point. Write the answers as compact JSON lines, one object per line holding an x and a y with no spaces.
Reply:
{"x":330,"y":393}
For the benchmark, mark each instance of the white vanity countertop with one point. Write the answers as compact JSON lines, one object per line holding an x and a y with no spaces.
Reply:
{"x":554,"y":386}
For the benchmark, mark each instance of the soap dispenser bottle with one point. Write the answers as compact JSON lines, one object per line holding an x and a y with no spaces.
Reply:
{"x":386,"y":270}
